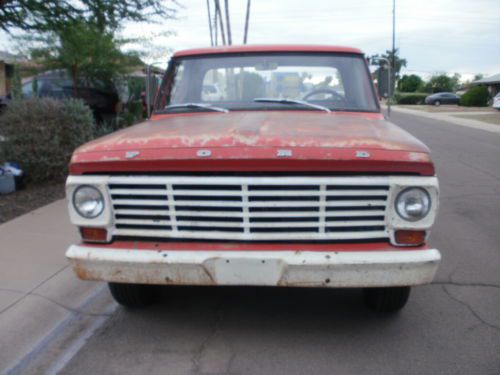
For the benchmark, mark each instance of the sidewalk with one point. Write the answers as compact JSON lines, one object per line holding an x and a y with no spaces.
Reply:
{"x":38,"y":290}
{"x":450,"y":117}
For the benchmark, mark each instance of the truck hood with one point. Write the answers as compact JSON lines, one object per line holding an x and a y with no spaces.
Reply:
{"x":261,"y":129}
{"x":256,"y":135}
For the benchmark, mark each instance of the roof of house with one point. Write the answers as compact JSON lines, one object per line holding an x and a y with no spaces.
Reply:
{"x":266,"y":48}
{"x":7,"y":57}
{"x":489,"y":80}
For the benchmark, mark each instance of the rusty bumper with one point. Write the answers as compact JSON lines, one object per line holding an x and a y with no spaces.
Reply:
{"x":266,"y":268}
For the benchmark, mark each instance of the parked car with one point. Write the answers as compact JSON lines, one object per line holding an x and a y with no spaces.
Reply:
{"x":312,"y":190}
{"x":496,"y":101}
{"x":442,"y":98}
{"x":102,"y":99}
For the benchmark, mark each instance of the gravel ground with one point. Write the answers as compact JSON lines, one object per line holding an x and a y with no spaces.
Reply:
{"x":30,"y":198}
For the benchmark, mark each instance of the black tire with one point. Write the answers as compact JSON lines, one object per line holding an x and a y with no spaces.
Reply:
{"x":133,"y":295}
{"x":386,"y":299}
{"x":437,"y":103}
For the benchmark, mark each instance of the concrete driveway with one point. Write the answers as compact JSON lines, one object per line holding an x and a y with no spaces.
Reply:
{"x":449,"y":327}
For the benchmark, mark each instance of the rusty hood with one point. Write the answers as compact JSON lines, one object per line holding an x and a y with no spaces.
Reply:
{"x":219,"y":139}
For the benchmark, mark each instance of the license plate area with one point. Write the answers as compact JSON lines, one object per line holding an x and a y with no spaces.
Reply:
{"x":253,"y":271}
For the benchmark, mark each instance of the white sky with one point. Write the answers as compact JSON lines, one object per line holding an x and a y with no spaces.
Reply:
{"x":433,"y":35}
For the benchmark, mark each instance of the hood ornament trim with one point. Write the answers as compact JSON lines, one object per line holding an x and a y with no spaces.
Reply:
{"x":284,"y":153}
{"x":131,"y":154}
{"x":362,"y":154}
{"x":203,"y":153}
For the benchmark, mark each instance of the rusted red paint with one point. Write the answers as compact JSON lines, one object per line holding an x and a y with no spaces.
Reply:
{"x":247,"y":141}
{"x":298,"y":247}
{"x":267,"y":48}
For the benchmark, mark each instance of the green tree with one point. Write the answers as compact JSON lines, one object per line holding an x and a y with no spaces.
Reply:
{"x":410,"y":83}
{"x":50,"y":15}
{"x":442,"y":82}
{"x":85,"y":52}
{"x":35,"y":15}
{"x":396,"y":62}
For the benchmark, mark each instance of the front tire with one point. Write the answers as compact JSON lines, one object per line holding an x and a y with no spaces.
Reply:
{"x":386,"y":300}
{"x":437,"y":103}
{"x":133,"y":296}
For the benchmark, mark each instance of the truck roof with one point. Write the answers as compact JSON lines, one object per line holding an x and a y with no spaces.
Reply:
{"x":266,"y":48}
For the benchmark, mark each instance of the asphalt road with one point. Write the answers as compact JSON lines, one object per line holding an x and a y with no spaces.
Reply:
{"x":450,"y":327}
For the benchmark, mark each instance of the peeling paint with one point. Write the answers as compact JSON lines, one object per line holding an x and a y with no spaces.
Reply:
{"x":249,"y":141}
{"x":261,"y":129}
{"x":307,"y":269}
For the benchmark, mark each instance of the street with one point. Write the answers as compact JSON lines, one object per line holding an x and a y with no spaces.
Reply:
{"x":449,"y":327}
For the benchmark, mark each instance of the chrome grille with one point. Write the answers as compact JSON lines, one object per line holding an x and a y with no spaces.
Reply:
{"x":250,"y":208}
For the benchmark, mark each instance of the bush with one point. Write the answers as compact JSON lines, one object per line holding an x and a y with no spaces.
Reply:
{"x":41,"y":134}
{"x":413,"y":98}
{"x":475,"y":97}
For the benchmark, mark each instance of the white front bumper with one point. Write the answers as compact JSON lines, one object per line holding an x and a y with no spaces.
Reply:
{"x":266,"y":268}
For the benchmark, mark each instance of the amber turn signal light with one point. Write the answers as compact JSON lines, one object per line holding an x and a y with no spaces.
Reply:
{"x":410,"y":237}
{"x":94,"y":234}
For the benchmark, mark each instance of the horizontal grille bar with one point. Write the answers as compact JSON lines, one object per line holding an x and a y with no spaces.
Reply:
{"x":249,"y":208}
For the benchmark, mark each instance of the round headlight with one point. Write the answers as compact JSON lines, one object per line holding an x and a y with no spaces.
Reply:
{"x":413,"y":204}
{"x":88,"y":201}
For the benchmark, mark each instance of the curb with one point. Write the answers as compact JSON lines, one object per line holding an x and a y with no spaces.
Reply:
{"x":474,"y":124}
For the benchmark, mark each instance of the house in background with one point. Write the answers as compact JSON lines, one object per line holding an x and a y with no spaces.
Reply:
{"x":492,"y":83}
{"x":7,"y":61}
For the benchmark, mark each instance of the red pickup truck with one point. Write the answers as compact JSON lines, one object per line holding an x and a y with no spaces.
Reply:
{"x":287,"y":174}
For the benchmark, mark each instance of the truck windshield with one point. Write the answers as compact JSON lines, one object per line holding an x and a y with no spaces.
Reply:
{"x":338,"y":82}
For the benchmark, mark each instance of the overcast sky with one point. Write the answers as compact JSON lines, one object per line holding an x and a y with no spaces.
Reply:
{"x":433,"y":35}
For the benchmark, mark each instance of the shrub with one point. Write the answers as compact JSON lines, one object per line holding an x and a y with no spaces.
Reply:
{"x":41,"y":134}
{"x":475,"y":97}
{"x":413,"y":98}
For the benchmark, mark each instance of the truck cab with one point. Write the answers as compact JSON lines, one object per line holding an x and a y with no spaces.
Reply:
{"x":290,"y":176}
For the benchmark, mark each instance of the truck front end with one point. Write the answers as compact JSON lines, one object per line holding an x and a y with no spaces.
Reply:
{"x":318,"y":191}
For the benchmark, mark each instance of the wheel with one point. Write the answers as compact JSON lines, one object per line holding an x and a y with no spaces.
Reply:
{"x":133,"y":295}
{"x":386,"y":299}
{"x":437,"y":103}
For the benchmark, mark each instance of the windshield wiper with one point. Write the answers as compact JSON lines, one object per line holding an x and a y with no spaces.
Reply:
{"x":292,"y":101}
{"x":197,"y":105}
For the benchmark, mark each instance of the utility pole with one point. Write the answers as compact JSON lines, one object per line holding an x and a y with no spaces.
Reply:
{"x":247,"y":19}
{"x":210,"y":23}
{"x":228,"y":24}
{"x":393,"y":48}
{"x":219,"y":13}
{"x":216,"y":37}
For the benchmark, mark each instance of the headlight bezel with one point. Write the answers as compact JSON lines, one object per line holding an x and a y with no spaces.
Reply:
{"x":100,"y":182}
{"x":427,"y":203}
{"x":78,"y":210}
